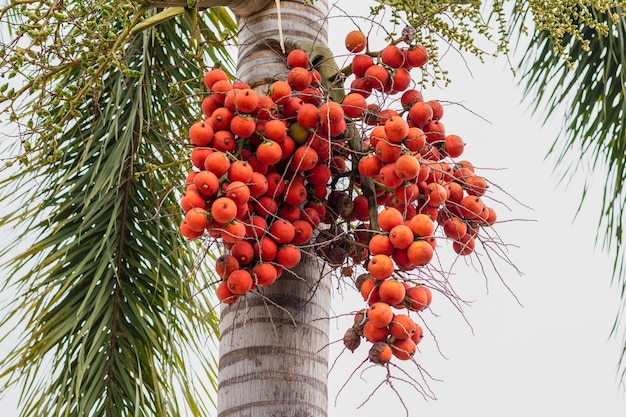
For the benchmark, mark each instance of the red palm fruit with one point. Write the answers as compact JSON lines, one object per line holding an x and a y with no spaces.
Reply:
{"x":388,"y":152}
{"x":402,"y":327}
{"x":361,"y":208}
{"x":221,"y":118}
{"x":217,"y":163}
{"x":471,"y":207}
{"x":291,"y":107}
{"x":403,"y":349}
{"x":392,"y":56}
{"x":369,"y":166}
{"x":282,"y":231}
{"x":392,"y":292}
{"x":406,"y":194}
{"x":280,"y":91}
{"x":401,"y":236}
{"x":229,"y":101}
{"x":264,"y":274}
{"x":225,"y":295}
{"x":437,"y":109}
{"x":265,"y":206}
{"x":454,"y":228}
{"x":374,"y":334}
{"x":455,"y":192}
{"x":437,"y":194}
{"x":206,"y":183}
{"x":304,"y":231}
{"x":246,"y":100}
{"x":275,"y":130}
{"x":420,"y":252}
{"x":213,"y":75}
{"x":316,"y":78}
{"x":289,"y":212}
{"x":220,"y":89}
{"x":388,"y":218}
{"x":208,"y":106}
{"x":304,"y":159}
{"x":192,"y":198}
{"x":243,"y":252}
{"x":407,"y":167}
{"x":409,"y":98}
{"x":295,"y":193}
{"x":269,"y":152}
{"x":287,"y":147}
{"x":233,"y":232}
{"x":376,"y":76}
{"x":238,"y":192}
{"x":265,"y":249}
{"x":240,"y":171}
{"x":380,"y":314}
{"x":190,"y":177}
{"x":331,"y":112}
{"x":197,"y":219}
{"x":355,"y":41}
{"x":256,"y":226}
{"x":361,"y":86}
{"x":396,"y":129}
{"x":258,"y":184}
{"x":243,"y":125}
{"x":312,"y":95}
{"x":264,"y":108}
{"x":311,"y":216}
{"x":422,"y":225}
{"x":298,"y":58}
{"x":199,"y":155}
{"x":418,"y":335}
{"x":223,"y":210}
{"x":288,"y":256}
{"x":338,"y":164}
{"x":275,"y":184}
{"x":401,"y":258}
{"x":475,"y":185}
{"x":369,"y":290}
{"x":380,"y":266}
{"x":401,"y":80}
{"x":454,"y":146}
{"x":354,"y":105}
{"x":308,"y":115}
{"x":380,"y":244}
{"x":465,"y":245}
{"x":239,"y":281}
{"x":435,"y":132}
{"x":418,"y":298}
{"x":299,"y":78}
{"x":224,"y":141}
{"x":201,"y":134}
{"x":360,"y":64}
{"x":420,"y":114}
{"x":319,"y":175}
{"x":388,"y":176}
{"x":415,"y":139}
{"x":417,"y":57}
{"x":225,"y":265}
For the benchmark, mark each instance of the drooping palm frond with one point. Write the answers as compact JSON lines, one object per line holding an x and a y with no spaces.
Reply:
{"x":107,"y":315}
{"x":590,"y":96}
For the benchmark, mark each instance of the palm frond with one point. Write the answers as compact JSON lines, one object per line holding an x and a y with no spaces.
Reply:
{"x":107,"y":314}
{"x":590,"y":96}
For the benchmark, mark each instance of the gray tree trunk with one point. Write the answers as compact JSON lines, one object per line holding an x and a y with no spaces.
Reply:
{"x":273,"y":356}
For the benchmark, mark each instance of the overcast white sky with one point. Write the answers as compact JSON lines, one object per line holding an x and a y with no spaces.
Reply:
{"x":553,"y":356}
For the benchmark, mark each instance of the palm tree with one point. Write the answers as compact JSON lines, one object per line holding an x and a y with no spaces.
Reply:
{"x":110,"y":308}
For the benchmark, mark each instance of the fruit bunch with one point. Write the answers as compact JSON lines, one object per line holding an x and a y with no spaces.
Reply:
{"x":361,"y":184}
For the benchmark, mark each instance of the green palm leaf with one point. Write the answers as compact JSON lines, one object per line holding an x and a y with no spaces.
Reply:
{"x":591,"y":98}
{"x":106,"y":311}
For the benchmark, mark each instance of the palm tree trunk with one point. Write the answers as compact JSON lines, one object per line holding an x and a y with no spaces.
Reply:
{"x":273,"y":356}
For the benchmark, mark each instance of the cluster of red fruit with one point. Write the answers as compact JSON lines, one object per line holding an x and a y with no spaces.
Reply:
{"x":354,"y":182}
